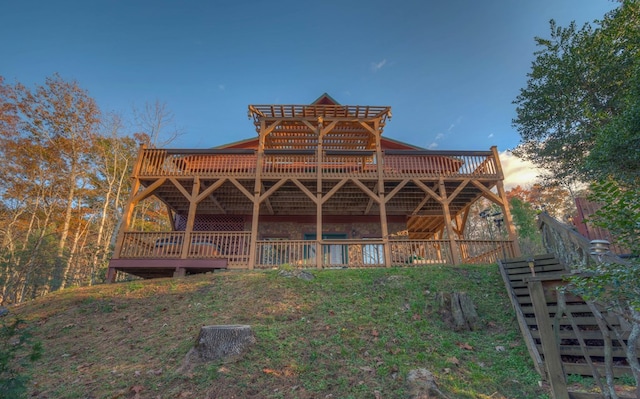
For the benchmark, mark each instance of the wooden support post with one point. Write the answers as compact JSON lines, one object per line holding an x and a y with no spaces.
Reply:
{"x":111,"y":274}
{"x":180,"y":272}
{"x":455,"y":251}
{"x":126,"y":217}
{"x":319,"y":202}
{"x":508,"y":221}
{"x":382,"y":203}
{"x":191,"y":216}
{"x":256,"y":194}
{"x":552,"y":359}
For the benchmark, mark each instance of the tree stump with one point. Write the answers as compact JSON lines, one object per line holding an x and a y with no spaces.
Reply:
{"x":458,"y":309}
{"x":226,"y":343}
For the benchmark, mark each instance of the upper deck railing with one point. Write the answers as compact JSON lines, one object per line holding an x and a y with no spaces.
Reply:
{"x":243,"y":163}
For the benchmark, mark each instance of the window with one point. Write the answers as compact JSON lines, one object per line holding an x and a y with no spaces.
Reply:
{"x":332,"y":254}
{"x":373,"y":254}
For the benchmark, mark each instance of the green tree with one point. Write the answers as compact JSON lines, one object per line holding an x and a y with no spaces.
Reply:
{"x":577,"y":86}
{"x":579,"y":117}
{"x":524,"y":218}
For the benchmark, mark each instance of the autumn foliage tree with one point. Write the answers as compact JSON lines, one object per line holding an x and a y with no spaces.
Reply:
{"x":64,"y":166}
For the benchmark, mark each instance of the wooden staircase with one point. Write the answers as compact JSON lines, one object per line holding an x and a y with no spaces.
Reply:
{"x":559,"y":328}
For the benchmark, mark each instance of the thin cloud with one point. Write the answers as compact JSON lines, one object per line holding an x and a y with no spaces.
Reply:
{"x":518,"y":172}
{"x":432,"y":145}
{"x":454,"y":124}
{"x":490,"y":136}
{"x":376,"y":66}
{"x":439,"y":136}
{"x":221,"y":87}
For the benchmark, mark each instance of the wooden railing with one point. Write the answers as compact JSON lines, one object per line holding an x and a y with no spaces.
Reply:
{"x":303,"y":163}
{"x":489,"y":251}
{"x":363,"y":253}
{"x":419,"y":252}
{"x":569,"y":246}
{"x":233,"y":246}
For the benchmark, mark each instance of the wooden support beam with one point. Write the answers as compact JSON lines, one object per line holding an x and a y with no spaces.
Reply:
{"x":371,"y":201}
{"x":272,"y":190}
{"x":365,"y":189}
{"x":455,"y":251}
{"x":552,"y":359}
{"x":508,"y":221}
{"x":487,"y":193}
{"x":243,"y":189}
{"x":455,"y":193}
{"x":396,"y":189}
{"x":255,"y":198}
{"x":126,"y":219}
{"x":371,"y":130}
{"x":146,"y":193}
{"x":180,"y":187}
{"x":268,"y":129}
{"x":319,"y":201}
{"x":416,"y":210}
{"x":427,"y":190}
{"x":193,"y":207}
{"x":384,"y":227}
{"x":210,"y":189}
{"x":172,"y":219}
{"x":305,"y":190}
{"x":334,"y":190}
{"x":267,"y":202}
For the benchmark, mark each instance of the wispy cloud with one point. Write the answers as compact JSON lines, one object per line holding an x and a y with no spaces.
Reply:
{"x":455,"y":123}
{"x":439,"y":136}
{"x":517,"y":171}
{"x":221,"y":87}
{"x":490,"y":136}
{"x":432,"y":146}
{"x":376,"y":66}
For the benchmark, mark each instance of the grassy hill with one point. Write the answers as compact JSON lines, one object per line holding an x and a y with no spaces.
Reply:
{"x":345,"y":334}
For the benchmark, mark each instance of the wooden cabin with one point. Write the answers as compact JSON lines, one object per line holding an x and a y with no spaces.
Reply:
{"x":319,"y":187}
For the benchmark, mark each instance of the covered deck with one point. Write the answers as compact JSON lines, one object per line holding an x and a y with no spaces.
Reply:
{"x":319,"y":179}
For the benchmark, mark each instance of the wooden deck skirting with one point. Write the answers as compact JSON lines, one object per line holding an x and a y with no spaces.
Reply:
{"x":154,"y":268}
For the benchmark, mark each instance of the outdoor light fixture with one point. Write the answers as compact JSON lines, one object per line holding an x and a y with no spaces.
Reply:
{"x":493,"y":218}
{"x":599,"y":248}
{"x":532,"y":265}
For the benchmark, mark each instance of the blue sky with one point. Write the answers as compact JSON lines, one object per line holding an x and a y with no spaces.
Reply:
{"x":449,"y":69}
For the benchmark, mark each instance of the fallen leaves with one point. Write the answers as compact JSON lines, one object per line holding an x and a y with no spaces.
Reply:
{"x":136,"y":389}
{"x":453,"y":360}
{"x":464,"y":346}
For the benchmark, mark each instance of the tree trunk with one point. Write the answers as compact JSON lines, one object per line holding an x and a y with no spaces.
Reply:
{"x":458,"y":310}
{"x":226,"y":343}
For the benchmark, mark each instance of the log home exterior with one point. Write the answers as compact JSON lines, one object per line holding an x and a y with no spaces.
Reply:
{"x":318,"y":179}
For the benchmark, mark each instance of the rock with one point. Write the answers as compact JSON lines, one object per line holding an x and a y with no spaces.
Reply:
{"x":301,"y":274}
{"x":422,"y":385}
{"x":3,"y":311}
{"x":393,"y":281}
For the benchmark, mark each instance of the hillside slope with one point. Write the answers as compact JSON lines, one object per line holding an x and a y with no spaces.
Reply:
{"x":344,"y":334}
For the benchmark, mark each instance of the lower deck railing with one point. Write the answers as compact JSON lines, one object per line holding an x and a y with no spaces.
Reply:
{"x":235,"y":247}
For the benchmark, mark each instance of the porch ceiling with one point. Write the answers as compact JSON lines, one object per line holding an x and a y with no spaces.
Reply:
{"x":296,"y":135}
{"x":290,"y":199}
